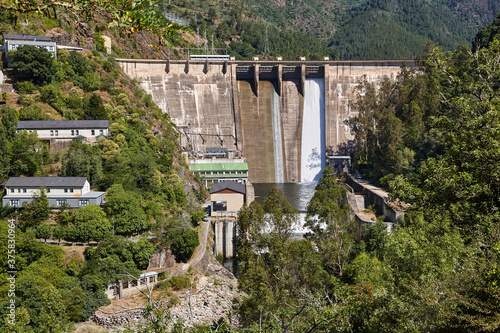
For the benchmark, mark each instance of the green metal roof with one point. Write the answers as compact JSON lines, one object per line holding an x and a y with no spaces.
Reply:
{"x":197,"y":167}
{"x":240,"y":175}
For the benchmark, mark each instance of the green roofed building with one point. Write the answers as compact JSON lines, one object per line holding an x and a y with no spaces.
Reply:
{"x":219,"y":170}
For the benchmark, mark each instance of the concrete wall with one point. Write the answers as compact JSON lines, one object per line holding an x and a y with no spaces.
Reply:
{"x":257,"y":131}
{"x":376,"y":196}
{"x":292,"y":109}
{"x":207,"y":102}
{"x":341,"y":80}
{"x":200,"y":100}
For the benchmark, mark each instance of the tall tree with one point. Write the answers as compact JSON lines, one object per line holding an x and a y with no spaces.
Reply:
{"x":330,"y":219}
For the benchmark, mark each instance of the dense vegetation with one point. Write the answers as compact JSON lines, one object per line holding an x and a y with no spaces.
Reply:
{"x":136,"y":166}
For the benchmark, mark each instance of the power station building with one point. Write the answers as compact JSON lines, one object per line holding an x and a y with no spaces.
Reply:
{"x":212,"y":171}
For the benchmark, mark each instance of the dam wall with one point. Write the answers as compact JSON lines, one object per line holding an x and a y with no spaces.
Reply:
{"x":341,"y":79}
{"x":200,"y":99}
{"x":262,"y":109}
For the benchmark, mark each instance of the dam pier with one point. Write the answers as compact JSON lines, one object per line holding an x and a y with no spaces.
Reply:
{"x":284,"y":117}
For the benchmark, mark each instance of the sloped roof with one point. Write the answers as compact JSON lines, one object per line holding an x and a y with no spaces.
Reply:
{"x":27,"y":37}
{"x":59,"y":124}
{"x":228,"y":185}
{"x":46,"y":182}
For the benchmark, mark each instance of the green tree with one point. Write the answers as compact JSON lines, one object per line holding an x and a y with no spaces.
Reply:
{"x":35,"y":211}
{"x":329,"y":217}
{"x":94,"y":108}
{"x":42,"y":231}
{"x":58,"y":232}
{"x":53,"y":317}
{"x":91,"y":223}
{"x":184,"y":244}
{"x":83,"y":160}
{"x":26,"y":154}
{"x":21,"y":324}
{"x":124,"y":209}
{"x":31,"y":63}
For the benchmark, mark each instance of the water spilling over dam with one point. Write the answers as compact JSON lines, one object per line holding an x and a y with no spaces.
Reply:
{"x":284,"y":117}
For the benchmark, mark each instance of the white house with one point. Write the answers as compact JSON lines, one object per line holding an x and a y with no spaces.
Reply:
{"x":12,"y":42}
{"x":87,"y":130}
{"x":121,"y":289}
{"x":71,"y":191}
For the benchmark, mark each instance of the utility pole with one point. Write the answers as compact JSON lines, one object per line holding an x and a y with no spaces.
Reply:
{"x":266,"y":46}
{"x":198,"y":37}
{"x":206,"y":44}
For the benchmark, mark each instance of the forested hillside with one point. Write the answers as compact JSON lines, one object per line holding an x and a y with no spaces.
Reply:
{"x":138,"y":166}
{"x":342,"y":29}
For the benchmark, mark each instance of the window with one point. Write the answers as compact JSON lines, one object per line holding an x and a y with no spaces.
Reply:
{"x":77,"y":132}
{"x":48,"y":190}
{"x":61,"y":202}
{"x":18,"y":190}
{"x":72,"y":132}
{"x":84,"y":203}
{"x":101,"y":132}
{"x":65,"y":190}
{"x":92,"y":132}
{"x":57,"y":133}
{"x":125,"y":285}
{"x":151,"y":279}
{"x":11,"y":190}
{"x":14,"y":203}
{"x":24,"y":190}
{"x":51,"y":132}
{"x":70,"y":190}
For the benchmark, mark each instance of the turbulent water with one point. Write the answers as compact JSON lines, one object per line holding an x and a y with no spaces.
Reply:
{"x":313,"y":131}
{"x":277,"y":143}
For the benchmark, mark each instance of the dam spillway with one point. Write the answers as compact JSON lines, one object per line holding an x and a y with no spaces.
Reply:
{"x":262,"y":109}
{"x":313,"y":131}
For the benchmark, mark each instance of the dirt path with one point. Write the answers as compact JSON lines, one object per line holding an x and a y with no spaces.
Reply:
{"x":200,"y":251}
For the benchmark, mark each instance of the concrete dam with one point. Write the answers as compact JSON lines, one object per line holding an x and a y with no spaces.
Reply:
{"x":283,"y":116}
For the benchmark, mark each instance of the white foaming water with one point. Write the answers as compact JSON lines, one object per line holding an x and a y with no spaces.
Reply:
{"x":313,"y":131}
{"x":277,"y":143}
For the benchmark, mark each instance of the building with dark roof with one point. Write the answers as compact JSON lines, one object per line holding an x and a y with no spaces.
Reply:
{"x":227,"y":196}
{"x":71,"y":191}
{"x":12,"y":42}
{"x":87,"y":130}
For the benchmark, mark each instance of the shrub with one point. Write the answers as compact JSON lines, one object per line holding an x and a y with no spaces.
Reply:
{"x":179,"y":282}
{"x":90,"y":82}
{"x":99,"y":42}
{"x":26,"y":87}
{"x":31,"y":112}
{"x":122,"y":99}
